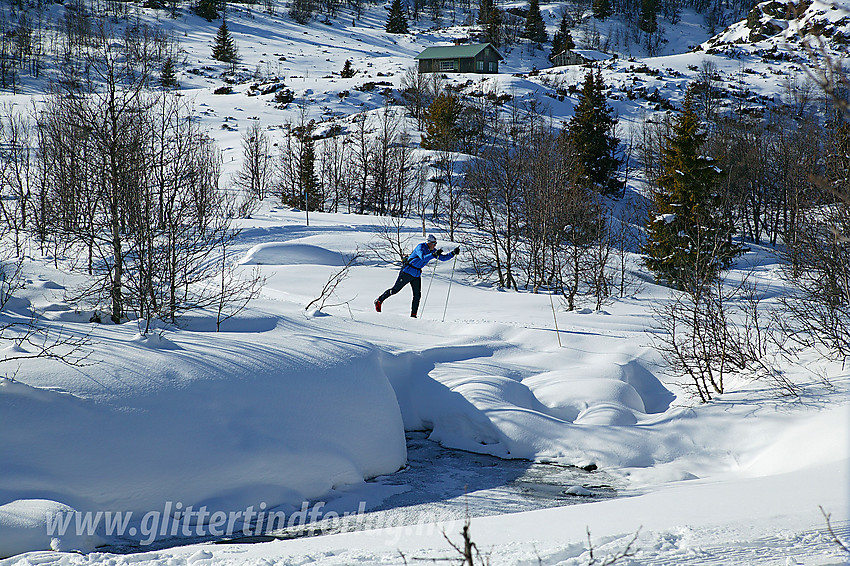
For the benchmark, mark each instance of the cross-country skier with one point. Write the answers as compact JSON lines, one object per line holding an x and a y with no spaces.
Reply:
{"x":412,"y":271}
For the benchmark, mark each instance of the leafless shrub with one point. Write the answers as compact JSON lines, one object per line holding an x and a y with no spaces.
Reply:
{"x":329,"y":288}
{"x":470,"y":555}
{"x":845,"y":548}
{"x":361,"y":162}
{"x":336,"y":177}
{"x":706,"y":89}
{"x":713,"y":331}
{"x":10,"y":278}
{"x":625,"y":239}
{"x":17,"y":170}
{"x":257,"y":171}
{"x":27,"y":339}
{"x":417,"y":93}
{"x":391,"y":242}
{"x":627,"y":552}
{"x":234,"y":292}
{"x":246,"y":204}
{"x":468,"y":550}
{"x":581,"y":260}
{"x":492,"y":192}
{"x":32,"y":340}
{"x":653,"y":136}
{"x":821,"y":254}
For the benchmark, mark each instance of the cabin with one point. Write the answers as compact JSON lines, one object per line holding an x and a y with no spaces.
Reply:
{"x":472,"y":58}
{"x":577,"y":57}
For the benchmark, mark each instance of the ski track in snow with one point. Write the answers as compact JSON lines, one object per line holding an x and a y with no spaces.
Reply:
{"x":813,"y":546}
{"x":682,"y":546}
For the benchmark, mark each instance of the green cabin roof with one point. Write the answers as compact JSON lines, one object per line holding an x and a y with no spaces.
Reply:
{"x":456,"y":51}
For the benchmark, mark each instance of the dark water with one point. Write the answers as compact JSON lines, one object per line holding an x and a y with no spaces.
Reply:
{"x":437,"y":485}
{"x":441,"y":484}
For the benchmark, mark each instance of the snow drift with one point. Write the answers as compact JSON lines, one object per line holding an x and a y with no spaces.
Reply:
{"x":223,"y":421}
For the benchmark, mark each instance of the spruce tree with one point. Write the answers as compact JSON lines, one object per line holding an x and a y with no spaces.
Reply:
{"x":493,"y":27}
{"x":207,"y":9}
{"x":442,"y":131}
{"x":563,"y":38}
{"x":591,"y":134}
{"x":648,"y":22}
{"x":601,"y":9}
{"x":224,"y":49}
{"x":301,"y":10}
{"x":396,"y":21}
{"x":347,"y":70}
{"x":484,"y":9}
{"x":308,"y":181}
{"x":688,"y":239}
{"x":167,"y":77}
{"x":535,"y":27}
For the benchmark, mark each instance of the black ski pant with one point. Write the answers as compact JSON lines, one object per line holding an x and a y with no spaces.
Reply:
{"x":403,"y":279}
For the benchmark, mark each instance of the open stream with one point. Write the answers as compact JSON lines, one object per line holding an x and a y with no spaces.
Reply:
{"x":441,"y":484}
{"x":438,"y":485}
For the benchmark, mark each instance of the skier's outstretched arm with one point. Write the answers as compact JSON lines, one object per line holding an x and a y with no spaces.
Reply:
{"x":450,"y":255}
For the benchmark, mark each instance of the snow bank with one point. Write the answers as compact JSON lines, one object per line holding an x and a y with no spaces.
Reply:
{"x":490,"y":398}
{"x":225,"y":421}
{"x":285,"y":253}
{"x":427,"y":404}
{"x":24,"y":527}
{"x":821,"y":440}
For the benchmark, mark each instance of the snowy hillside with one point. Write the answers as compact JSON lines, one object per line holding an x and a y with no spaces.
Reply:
{"x":786,"y":25}
{"x":184,"y":435}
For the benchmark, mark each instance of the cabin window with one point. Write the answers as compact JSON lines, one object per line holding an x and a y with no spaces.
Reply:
{"x":480,"y":65}
{"x":493,"y":66}
{"x":447,"y":65}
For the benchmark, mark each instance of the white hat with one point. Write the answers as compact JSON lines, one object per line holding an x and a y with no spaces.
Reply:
{"x":431,"y":239}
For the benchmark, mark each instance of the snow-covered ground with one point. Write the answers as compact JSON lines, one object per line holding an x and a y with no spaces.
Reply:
{"x":287,"y":405}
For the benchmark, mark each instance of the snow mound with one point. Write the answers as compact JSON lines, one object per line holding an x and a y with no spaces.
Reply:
{"x":805,"y":445}
{"x":225,"y":422}
{"x":154,"y":341}
{"x":608,"y":414}
{"x":567,"y":397}
{"x":427,"y":404}
{"x":285,"y":253}
{"x":569,"y":394}
{"x":24,"y":527}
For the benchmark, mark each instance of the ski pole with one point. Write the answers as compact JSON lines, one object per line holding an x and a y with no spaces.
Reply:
{"x":557,"y":332}
{"x":422,"y":310}
{"x":449,"y":292}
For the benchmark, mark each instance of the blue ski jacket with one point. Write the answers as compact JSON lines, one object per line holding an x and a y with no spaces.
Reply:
{"x":420,"y":258}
